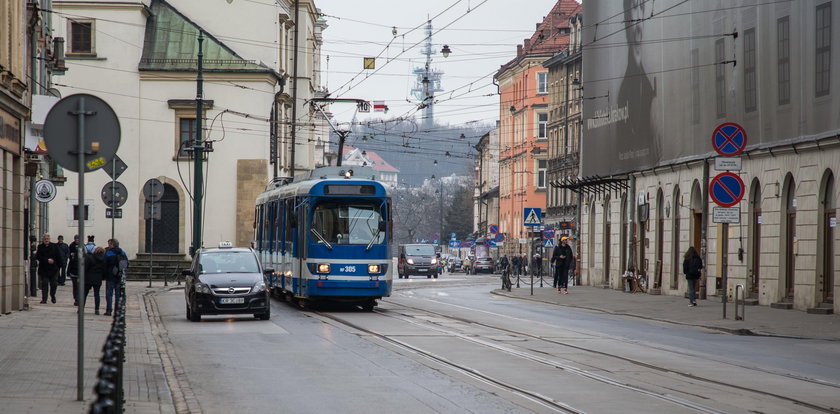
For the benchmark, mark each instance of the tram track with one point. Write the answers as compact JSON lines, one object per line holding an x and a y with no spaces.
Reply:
{"x":647,"y":365}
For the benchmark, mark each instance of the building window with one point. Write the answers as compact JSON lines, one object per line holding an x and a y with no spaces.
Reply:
{"x":541,"y":167}
{"x":720,"y":79}
{"x":73,"y":211}
{"x":81,"y":37}
{"x":542,"y":82}
{"x":76,"y":212}
{"x":783,"y":50}
{"x":542,"y":126}
{"x":822,"y":64}
{"x":695,"y":86}
{"x":186,"y":133}
{"x":749,"y":71}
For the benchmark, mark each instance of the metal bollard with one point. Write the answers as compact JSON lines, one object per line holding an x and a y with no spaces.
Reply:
{"x":743,"y":302}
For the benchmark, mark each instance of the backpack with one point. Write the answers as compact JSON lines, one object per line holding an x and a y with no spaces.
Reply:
{"x":122,"y":263}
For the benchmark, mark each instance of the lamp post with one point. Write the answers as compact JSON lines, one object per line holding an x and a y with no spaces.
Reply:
{"x":440,"y":209}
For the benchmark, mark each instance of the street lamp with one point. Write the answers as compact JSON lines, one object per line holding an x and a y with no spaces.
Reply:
{"x":445,"y":51}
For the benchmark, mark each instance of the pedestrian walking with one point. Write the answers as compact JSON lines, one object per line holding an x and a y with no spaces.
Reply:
{"x":116,"y":261}
{"x":90,"y":246}
{"x":562,"y":259}
{"x":64,"y":249}
{"x":48,"y":257}
{"x":692,"y":263}
{"x":73,"y":267}
{"x":94,"y":274}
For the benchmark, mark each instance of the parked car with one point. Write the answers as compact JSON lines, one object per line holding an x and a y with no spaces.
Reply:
{"x":484,"y":264}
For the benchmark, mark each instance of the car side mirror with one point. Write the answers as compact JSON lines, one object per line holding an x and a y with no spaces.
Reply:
{"x":268,"y":271}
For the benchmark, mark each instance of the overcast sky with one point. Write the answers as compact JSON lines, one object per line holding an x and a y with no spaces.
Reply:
{"x":481,"y":40}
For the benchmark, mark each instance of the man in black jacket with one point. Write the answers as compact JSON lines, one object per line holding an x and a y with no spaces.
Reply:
{"x":73,"y":267}
{"x":48,"y":257}
{"x":64,"y":249}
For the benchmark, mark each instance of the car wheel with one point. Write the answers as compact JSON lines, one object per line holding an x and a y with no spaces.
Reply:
{"x":264,"y":316}
{"x":428,"y":276}
{"x":189,"y":314}
{"x":195,"y":316}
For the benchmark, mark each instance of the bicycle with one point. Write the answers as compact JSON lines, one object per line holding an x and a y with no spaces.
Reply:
{"x":506,"y":284}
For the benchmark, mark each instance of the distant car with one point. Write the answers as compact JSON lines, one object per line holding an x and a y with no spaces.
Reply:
{"x":226,"y":280}
{"x":417,"y":259}
{"x":484,"y":264}
{"x":454,"y":264}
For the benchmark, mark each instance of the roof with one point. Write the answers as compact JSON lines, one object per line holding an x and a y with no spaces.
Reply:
{"x":548,"y":38}
{"x":372,"y":159}
{"x":170,"y":45}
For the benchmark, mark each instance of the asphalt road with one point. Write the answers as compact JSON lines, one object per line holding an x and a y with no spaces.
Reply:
{"x":448,"y":345}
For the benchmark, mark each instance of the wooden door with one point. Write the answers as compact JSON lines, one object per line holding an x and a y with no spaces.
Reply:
{"x":789,"y":251}
{"x":756,"y":251}
{"x":828,"y":257}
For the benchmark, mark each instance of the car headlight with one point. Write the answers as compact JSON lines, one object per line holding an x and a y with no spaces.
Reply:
{"x":258,"y":287}
{"x":323,"y":268}
{"x":374,"y":269}
{"x":202,"y":288}
{"x":434,"y":260}
{"x":410,"y":261}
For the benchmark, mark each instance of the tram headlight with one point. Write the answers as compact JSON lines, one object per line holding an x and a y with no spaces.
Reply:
{"x":374,"y":269}
{"x":323,"y":268}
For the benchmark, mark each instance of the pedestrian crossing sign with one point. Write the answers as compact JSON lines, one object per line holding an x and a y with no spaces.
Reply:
{"x":548,"y":243}
{"x":533,"y":216}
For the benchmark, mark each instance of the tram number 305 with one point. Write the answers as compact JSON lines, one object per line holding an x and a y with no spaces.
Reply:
{"x":348,"y":269}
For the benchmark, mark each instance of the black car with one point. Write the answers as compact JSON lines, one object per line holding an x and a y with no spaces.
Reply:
{"x":226,"y":280}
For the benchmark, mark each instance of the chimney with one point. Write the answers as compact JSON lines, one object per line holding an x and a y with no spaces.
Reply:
{"x":518,"y":50}
{"x":527,"y":43}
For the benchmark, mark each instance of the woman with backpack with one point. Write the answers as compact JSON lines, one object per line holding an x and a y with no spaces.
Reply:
{"x":115,"y":262}
{"x":692,"y":264}
{"x":94,"y":273}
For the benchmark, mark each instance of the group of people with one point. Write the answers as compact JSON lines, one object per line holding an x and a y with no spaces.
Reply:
{"x":101,"y":264}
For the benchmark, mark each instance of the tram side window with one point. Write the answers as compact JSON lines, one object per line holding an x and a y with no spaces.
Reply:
{"x":278,"y":222}
{"x":265,"y":228}
{"x":288,"y":233}
{"x":272,"y":218}
{"x":258,"y":213}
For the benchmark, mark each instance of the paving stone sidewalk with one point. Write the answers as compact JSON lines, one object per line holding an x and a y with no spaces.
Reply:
{"x":38,"y":357}
{"x":758,"y":320}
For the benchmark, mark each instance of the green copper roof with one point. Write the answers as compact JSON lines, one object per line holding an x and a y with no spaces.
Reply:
{"x":171,"y":44}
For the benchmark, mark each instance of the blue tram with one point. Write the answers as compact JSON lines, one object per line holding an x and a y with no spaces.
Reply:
{"x":327,"y":236}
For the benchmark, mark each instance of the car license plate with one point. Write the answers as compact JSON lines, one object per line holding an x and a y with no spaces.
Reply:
{"x":227,"y":301}
{"x":422,"y":269}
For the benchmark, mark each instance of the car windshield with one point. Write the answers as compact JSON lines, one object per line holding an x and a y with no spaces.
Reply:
{"x":419,"y":250}
{"x":347,"y":224}
{"x":229,"y":262}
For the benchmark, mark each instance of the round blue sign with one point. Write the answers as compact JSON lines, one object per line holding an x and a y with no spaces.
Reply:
{"x":548,"y":232}
{"x":499,"y":238}
{"x":729,"y":139}
{"x":726,"y":189}
{"x":494,"y":229}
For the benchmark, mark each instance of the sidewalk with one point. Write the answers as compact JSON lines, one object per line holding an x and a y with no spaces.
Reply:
{"x":759,"y":320}
{"x":38,"y":361}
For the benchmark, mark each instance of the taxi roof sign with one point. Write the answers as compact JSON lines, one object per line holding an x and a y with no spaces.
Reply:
{"x":225,"y":245}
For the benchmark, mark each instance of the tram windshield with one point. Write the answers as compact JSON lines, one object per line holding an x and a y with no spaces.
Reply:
{"x":347,"y":224}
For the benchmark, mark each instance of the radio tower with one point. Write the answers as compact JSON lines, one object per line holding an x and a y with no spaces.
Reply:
{"x":428,"y":81}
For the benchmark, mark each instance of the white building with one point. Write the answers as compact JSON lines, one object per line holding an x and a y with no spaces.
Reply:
{"x":140,"y":57}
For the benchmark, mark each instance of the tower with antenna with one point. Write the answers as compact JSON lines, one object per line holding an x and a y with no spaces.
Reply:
{"x":428,"y":81}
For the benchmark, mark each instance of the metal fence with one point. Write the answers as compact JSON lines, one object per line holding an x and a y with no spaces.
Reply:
{"x":109,"y":384}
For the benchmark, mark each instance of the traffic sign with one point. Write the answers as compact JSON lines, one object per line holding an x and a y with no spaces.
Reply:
{"x":488,"y":242}
{"x":729,"y":139}
{"x":532,"y":216}
{"x":101,"y":132}
{"x":548,"y":232}
{"x":730,"y":215}
{"x":151,"y":211}
{"x":115,"y":168}
{"x":499,"y":238}
{"x":117,"y":195}
{"x":728,"y":164}
{"x":363,"y":106}
{"x":548,"y":243}
{"x":113,"y":213}
{"x":153,"y":190}
{"x":467,"y":243}
{"x":455,"y":244}
{"x":494,"y":229}
{"x":726,"y":189}
{"x":44,"y":191}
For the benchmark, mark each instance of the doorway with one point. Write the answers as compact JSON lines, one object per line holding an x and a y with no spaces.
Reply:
{"x":660,"y":238}
{"x":166,"y":233}
{"x":825,"y":238}
{"x":755,"y":239}
{"x":607,"y":239}
{"x":675,"y":240}
{"x":789,"y":237}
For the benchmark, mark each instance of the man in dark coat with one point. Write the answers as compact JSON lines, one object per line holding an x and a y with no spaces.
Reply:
{"x":73,"y":267}
{"x":113,"y":274}
{"x":562,"y":258}
{"x":48,"y":257}
{"x":64,"y":249}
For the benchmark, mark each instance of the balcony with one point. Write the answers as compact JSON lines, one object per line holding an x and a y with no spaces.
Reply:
{"x":564,"y":162}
